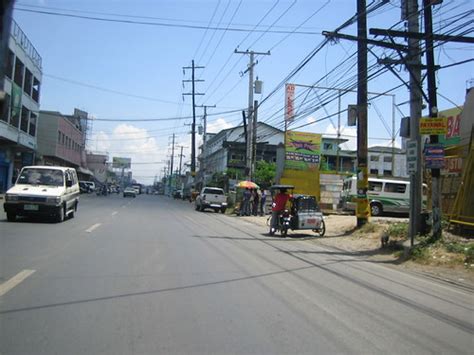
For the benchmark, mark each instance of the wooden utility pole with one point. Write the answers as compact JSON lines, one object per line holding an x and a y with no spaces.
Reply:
{"x":204,"y":136}
{"x":193,"y":125}
{"x":362,"y":211}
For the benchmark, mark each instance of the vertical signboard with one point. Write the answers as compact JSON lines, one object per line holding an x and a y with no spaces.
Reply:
{"x":302,"y":151}
{"x":412,"y":146}
{"x":289,"y":102}
{"x":121,"y":163}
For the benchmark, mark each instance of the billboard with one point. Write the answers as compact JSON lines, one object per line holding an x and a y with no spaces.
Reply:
{"x":302,"y":150}
{"x":121,"y":163}
{"x":289,"y":102}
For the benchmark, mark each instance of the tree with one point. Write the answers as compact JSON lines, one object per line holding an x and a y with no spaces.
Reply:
{"x":265,"y":173}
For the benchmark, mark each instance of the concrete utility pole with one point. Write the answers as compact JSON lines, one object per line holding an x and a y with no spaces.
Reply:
{"x":254,"y":140}
{"x":416,"y":103}
{"x":193,"y":126}
{"x":181,"y":156}
{"x":250,"y":109}
{"x":433,"y":109}
{"x":172,"y":160}
{"x":363,"y":211}
{"x":204,"y":134}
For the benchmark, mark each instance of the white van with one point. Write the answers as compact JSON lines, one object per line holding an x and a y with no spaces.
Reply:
{"x":385,"y":195}
{"x":49,"y":191}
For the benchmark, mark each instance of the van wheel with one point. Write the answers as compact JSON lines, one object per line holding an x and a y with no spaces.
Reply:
{"x":376,"y":209}
{"x":11,"y":217}
{"x":61,"y":214}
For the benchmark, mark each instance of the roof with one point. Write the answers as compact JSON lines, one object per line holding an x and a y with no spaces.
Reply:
{"x":62,"y":168}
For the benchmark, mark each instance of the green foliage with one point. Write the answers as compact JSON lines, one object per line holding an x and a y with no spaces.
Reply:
{"x":233,"y":173}
{"x":420,"y":253}
{"x":398,"y":230}
{"x":218,"y":180}
{"x":265,"y":173}
{"x":460,"y":248}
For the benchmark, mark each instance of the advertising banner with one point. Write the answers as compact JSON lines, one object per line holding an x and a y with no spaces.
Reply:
{"x":289,"y":102}
{"x":121,"y":163}
{"x":302,"y":150}
{"x":434,"y":156}
{"x":453,"y":117}
{"x":433,"y":125}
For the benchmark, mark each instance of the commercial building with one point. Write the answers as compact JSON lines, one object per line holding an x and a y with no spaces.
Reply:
{"x":61,"y":140}
{"x":19,"y":111}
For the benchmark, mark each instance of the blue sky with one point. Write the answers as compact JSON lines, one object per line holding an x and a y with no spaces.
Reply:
{"x":147,"y":61}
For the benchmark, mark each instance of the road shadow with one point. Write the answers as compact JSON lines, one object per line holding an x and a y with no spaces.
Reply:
{"x":35,"y":220}
{"x":157,"y":291}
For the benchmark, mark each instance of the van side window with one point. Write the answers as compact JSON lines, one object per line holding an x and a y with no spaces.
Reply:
{"x":395,"y":188}
{"x":375,"y":186}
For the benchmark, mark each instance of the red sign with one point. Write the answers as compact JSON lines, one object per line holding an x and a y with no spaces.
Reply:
{"x":289,"y":102}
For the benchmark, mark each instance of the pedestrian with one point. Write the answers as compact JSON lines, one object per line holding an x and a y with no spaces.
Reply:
{"x":278,"y":205}
{"x":255,"y":202}
{"x":245,"y":205}
{"x":263,"y":201}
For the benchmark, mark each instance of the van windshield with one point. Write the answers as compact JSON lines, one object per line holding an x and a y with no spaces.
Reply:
{"x":48,"y":177}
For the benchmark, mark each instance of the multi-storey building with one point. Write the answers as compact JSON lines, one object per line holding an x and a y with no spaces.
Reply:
{"x":61,"y":140}
{"x":19,"y":113}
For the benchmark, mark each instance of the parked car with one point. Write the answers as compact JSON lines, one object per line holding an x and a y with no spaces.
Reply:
{"x":48,"y":191}
{"x":129,"y":192}
{"x":211,"y":197}
{"x":83,"y":187}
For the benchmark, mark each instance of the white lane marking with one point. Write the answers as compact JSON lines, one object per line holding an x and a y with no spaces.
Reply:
{"x":91,"y":228}
{"x":114,"y":213}
{"x":14,"y":281}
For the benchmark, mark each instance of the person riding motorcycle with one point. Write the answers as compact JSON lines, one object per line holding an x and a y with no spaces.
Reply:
{"x":278,"y":206}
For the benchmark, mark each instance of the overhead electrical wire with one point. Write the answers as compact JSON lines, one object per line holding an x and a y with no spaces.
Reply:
{"x":160,"y":24}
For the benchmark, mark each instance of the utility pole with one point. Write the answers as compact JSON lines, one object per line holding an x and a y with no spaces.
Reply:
{"x":172,"y":161}
{"x":254,"y":140}
{"x":433,"y":110}
{"x":204,"y":136}
{"x":362,"y":211}
{"x":193,"y":126}
{"x":181,"y":156}
{"x":414,"y":68}
{"x":250,"y":108}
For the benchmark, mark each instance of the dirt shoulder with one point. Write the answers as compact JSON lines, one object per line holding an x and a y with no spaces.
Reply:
{"x":341,"y":233}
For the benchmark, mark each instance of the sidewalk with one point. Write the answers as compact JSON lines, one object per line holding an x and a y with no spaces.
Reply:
{"x":341,"y":234}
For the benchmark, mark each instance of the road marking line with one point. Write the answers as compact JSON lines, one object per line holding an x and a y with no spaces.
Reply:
{"x":14,"y":281}
{"x":91,"y":228}
{"x":114,"y":213}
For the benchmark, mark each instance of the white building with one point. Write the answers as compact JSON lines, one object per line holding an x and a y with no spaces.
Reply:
{"x":19,"y":113}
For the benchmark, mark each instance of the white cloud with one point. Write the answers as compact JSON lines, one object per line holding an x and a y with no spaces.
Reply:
{"x":218,"y":125}
{"x":132,"y":142}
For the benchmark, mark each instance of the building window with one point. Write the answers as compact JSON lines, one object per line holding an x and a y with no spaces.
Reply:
{"x":28,"y":82}
{"x":387,"y":173}
{"x":63,"y":139}
{"x":25,"y":115}
{"x":374,"y":171}
{"x":327,"y":146}
{"x":387,"y":159}
{"x":19,"y":72}
{"x":9,"y":64}
{"x":374,"y":158}
{"x":36,"y":90}
{"x":59,"y":137}
{"x":5,"y":108}
{"x":394,"y":187}
{"x":32,"y":129}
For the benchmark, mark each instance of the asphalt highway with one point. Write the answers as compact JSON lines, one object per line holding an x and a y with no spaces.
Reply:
{"x":151,"y":275}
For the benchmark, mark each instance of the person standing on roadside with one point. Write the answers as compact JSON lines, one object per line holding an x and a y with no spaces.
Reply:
{"x":245,"y":206}
{"x":256,"y":200}
{"x":263,"y":200}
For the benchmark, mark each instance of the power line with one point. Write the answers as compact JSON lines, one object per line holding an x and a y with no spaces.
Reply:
{"x":159,"y":24}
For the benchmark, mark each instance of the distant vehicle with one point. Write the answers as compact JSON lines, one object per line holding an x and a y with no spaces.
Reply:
{"x":178,"y":194}
{"x":130,"y":192}
{"x":49,"y":191}
{"x":138,"y":187}
{"x":385,"y":195}
{"x":83,"y":187}
{"x":211,"y":197}
{"x":91,"y":185}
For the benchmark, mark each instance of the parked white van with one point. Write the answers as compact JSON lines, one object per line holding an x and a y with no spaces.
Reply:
{"x":385,"y":195}
{"x":49,"y":191}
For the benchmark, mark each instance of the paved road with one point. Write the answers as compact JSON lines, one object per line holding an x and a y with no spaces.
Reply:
{"x":150,"y":275}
